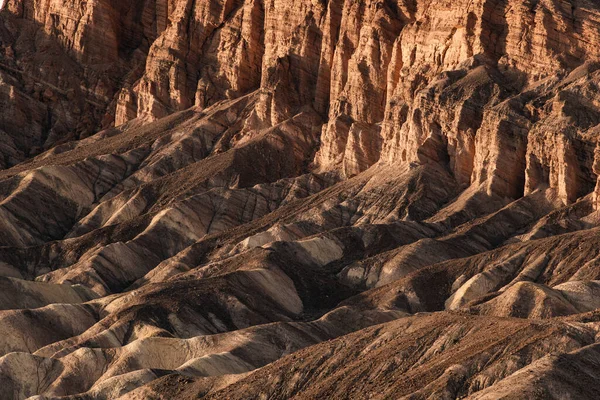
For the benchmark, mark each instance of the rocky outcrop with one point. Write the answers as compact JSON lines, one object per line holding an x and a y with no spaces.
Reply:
{"x":398,"y":81}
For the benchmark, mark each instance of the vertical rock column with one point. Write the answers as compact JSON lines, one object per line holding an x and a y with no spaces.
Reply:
{"x":596,"y":171}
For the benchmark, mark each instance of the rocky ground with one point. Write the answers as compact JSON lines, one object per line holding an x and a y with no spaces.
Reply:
{"x":274,"y":199}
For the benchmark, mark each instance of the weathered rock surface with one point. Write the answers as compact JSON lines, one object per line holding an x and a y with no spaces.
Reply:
{"x":221,"y":198}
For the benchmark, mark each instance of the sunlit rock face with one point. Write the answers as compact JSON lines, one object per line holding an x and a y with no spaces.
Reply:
{"x":311,"y":199}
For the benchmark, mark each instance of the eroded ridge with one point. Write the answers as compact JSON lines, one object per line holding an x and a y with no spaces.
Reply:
{"x":299,"y":199}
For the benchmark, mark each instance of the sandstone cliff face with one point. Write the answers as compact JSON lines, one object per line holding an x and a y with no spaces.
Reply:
{"x":192,"y":190}
{"x":456,"y":83}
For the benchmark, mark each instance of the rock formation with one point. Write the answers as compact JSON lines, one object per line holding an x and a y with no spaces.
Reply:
{"x":299,"y":199}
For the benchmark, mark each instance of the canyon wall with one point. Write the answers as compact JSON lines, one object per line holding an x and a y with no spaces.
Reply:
{"x":496,"y":90}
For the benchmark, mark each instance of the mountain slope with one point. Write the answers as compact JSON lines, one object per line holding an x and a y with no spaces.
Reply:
{"x":264,"y":198}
